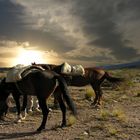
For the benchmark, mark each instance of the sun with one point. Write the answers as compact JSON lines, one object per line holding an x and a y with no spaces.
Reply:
{"x":26,"y":57}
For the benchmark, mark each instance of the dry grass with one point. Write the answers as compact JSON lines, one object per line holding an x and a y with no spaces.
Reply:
{"x":89,"y":93}
{"x":111,"y":129}
{"x":116,"y":113}
{"x":104,"y":114}
{"x":119,"y":114}
{"x":71,"y":120}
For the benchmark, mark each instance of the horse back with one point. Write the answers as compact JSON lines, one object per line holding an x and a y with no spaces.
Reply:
{"x":38,"y":83}
{"x":94,"y":72}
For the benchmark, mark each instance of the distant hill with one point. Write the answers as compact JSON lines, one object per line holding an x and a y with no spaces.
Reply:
{"x":122,"y":66}
{"x":107,"y":67}
{"x":3,"y":69}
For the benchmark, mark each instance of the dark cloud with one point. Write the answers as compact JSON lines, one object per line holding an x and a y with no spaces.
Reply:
{"x":97,"y":22}
{"x":49,"y":41}
{"x":128,"y":7}
{"x":100,"y":25}
{"x":13,"y":26}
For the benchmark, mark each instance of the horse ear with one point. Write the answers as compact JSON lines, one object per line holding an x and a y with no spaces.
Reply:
{"x":33,"y":63}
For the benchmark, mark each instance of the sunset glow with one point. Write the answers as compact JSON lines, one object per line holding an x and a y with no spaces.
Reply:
{"x":27,"y":57}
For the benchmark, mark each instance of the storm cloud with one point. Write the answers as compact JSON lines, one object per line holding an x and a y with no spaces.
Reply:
{"x":80,"y":31}
{"x":101,"y":21}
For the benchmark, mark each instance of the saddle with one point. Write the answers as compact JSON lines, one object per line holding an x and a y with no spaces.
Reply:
{"x":20,"y":71}
{"x":72,"y":70}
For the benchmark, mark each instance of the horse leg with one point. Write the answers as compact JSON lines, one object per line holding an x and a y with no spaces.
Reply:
{"x":45,"y":111}
{"x":100,"y":96}
{"x":94,"y":87}
{"x":63,"y":109}
{"x":55,"y":94}
{"x":16,"y":97}
{"x":23,"y":109}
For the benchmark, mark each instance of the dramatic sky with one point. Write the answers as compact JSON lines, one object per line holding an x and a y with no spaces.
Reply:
{"x":88,"y":32}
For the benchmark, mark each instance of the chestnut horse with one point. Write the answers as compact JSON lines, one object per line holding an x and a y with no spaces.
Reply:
{"x":41,"y":84}
{"x":93,"y":76}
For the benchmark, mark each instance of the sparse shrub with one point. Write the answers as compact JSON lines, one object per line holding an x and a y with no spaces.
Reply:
{"x":96,"y":127}
{"x":124,"y":86}
{"x":124,"y":97}
{"x":124,"y":136}
{"x":71,"y":120}
{"x":89,"y":93}
{"x":79,"y":138}
{"x":119,"y":114}
{"x":112,"y":130}
{"x":104,"y":114}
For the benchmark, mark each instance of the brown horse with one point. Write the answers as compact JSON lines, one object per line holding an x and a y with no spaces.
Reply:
{"x":93,"y":76}
{"x":41,"y":84}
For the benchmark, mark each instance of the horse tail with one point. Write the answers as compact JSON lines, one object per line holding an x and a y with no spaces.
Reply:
{"x":112,"y":79}
{"x":66,"y":95}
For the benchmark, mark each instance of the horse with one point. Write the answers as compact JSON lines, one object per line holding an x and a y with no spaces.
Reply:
{"x":40,"y":84}
{"x":93,"y":76}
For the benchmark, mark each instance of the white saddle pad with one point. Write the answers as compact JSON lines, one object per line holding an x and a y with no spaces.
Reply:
{"x":66,"y":68}
{"x":78,"y":70}
{"x":14,"y":74}
{"x":72,"y":70}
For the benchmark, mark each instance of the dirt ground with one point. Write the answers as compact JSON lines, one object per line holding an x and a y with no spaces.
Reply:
{"x":118,"y":119}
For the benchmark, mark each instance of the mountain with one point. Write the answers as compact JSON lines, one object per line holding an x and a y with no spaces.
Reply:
{"x":122,"y":66}
{"x":3,"y":69}
{"x":107,"y":67}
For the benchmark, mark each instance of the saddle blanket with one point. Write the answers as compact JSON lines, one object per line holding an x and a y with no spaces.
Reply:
{"x":15,"y":74}
{"x":72,"y":70}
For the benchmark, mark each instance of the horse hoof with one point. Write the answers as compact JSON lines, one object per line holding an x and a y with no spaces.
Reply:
{"x":40,"y":129}
{"x":23,"y":118}
{"x":63,"y":125}
{"x":19,"y":120}
{"x":93,"y":104}
{"x":98,"y":107}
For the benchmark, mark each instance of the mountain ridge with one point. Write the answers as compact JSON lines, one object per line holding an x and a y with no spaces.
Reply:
{"x":129,"y":65}
{"x":135,"y":64}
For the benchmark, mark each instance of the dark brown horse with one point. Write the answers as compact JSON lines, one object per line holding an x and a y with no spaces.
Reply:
{"x":93,"y":76}
{"x":41,"y":84}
